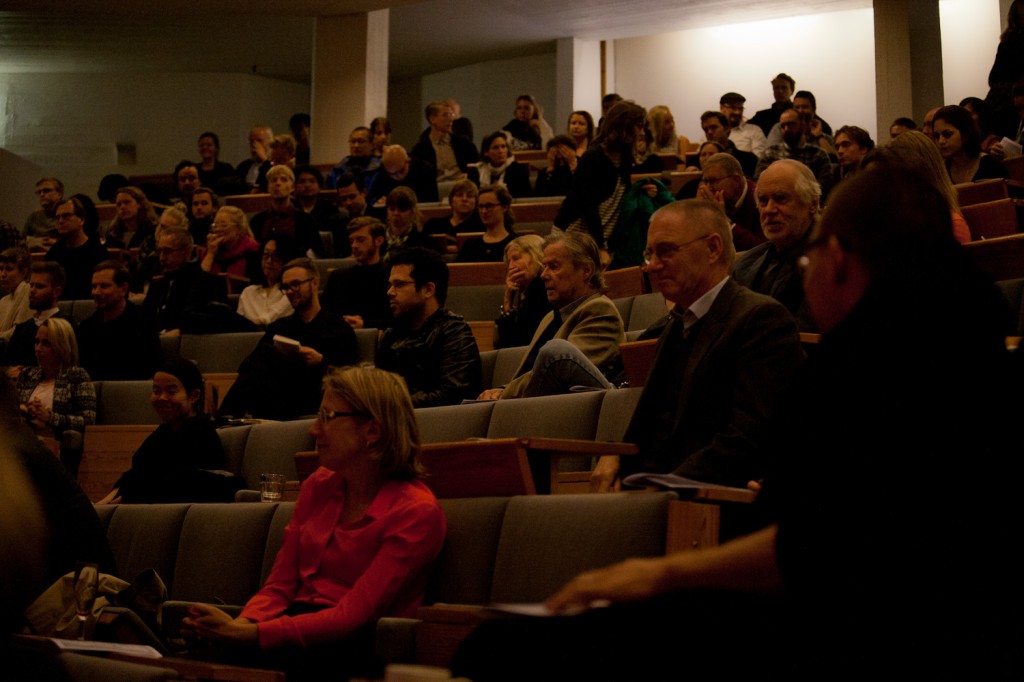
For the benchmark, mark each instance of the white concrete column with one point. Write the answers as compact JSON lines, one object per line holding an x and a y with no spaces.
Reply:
{"x":908,"y":60}
{"x":578,"y":74}
{"x":350,"y":79}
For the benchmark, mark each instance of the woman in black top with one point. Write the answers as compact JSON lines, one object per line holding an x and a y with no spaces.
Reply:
{"x":494,"y":205}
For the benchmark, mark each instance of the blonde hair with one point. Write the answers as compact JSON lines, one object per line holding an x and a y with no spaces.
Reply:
{"x":383,"y":397}
{"x":914,"y":151}
{"x":663,"y":140}
{"x":531,"y":244}
{"x":237,"y":217}
{"x":281,"y":170}
{"x":61,"y":336}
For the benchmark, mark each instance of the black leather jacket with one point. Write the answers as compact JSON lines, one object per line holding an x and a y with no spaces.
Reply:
{"x":439,"y":361}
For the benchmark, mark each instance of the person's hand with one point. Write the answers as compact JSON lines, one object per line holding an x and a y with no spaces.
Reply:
{"x":354,"y":321}
{"x":170,"y":332}
{"x":606,"y":259}
{"x":815,"y":127}
{"x":213,"y":242}
{"x":38,"y":411}
{"x":13,"y":371}
{"x":209,"y":622}
{"x":997,"y":150}
{"x":552,"y":157}
{"x":629,"y":581}
{"x":490,"y":394}
{"x":650,"y":190}
{"x":259,"y":150}
{"x":754,"y":485}
{"x":311,"y":357}
{"x":569,"y":154}
{"x":605,"y":476}
{"x":517,"y":279}
{"x":714,"y":196}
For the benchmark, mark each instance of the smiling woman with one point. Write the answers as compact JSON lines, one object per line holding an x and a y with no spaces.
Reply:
{"x":358,"y":547}
{"x":178,"y":461}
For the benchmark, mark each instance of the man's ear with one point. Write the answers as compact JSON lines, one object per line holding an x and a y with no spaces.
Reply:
{"x":429,"y":289}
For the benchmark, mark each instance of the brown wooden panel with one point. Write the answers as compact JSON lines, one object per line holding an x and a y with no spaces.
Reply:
{"x":107,"y":453}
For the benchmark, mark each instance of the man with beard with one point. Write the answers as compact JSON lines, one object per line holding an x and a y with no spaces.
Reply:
{"x":795,"y":146}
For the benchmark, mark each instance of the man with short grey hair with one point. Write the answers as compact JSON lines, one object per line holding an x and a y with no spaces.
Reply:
{"x":577,"y":343}
{"x":788,"y":197}
{"x":721,"y":362}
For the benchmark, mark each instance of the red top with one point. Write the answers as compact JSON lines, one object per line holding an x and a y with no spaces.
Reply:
{"x":370,"y":568}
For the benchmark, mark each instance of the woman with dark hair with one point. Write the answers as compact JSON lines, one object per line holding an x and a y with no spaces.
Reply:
{"x":182,"y":459}
{"x":554,"y":180}
{"x":380,"y":132}
{"x":134,"y":221}
{"x":359,"y":545}
{"x":982,"y":115}
{"x":498,"y":167}
{"x":602,"y":176}
{"x":959,"y":142}
{"x":527,"y":129}
{"x":261,"y":304}
{"x":494,"y":205}
{"x":211,"y":169}
{"x":581,"y":130}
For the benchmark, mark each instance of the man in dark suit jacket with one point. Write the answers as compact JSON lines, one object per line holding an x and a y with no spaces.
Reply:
{"x":788,"y":196}
{"x":181,"y":295}
{"x":722,"y":360}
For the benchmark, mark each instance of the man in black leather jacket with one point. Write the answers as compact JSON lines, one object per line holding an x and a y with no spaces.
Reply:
{"x":430,"y":346}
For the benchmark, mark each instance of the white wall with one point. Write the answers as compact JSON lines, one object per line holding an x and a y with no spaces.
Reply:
{"x":70,"y":124}
{"x":486,"y":92}
{"x":832,"y":55}
{"x":970,"y":35}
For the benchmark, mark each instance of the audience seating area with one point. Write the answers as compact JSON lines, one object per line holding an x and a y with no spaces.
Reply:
{"x":497,"y":549}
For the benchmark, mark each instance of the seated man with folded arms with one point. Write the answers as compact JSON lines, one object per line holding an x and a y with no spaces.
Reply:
{"x":324,"y":212}
{"x":858,"y":573}
{"x":576,"y":344}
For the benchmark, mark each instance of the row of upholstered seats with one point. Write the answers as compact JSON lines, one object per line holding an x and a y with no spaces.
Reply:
{"x":256,"y":449}
{"x":517,"y":549}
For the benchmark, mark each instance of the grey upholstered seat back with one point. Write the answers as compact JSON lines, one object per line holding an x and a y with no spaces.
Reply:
{"x":271,"y":448}
{"x":219,"y":352}
{"x":125,"y":402}
{"x":453,"y":422}
{"x":465,"y":568}
{"x":547,"y":540}
{"x":616,"y":411}
{"x":220,"y":554}
{"x":146,"y":536}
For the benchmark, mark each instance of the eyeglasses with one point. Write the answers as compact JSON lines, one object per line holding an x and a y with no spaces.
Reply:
{"x":325,"y":415}
{"x":65,"y":216}
{"x":665,"y":250}
{"x":296,"y":285}
{"x":399,"y":284}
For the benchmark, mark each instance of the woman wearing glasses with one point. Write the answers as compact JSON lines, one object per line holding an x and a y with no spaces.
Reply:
{"x":359,"y":545}
{"x":495,"y":209}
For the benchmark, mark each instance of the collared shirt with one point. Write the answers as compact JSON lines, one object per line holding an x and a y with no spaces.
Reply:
{"x":699,"y":308}
{"x":447,"y":165}
{"x":749,"y":138}
{"x":44,"y":315}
